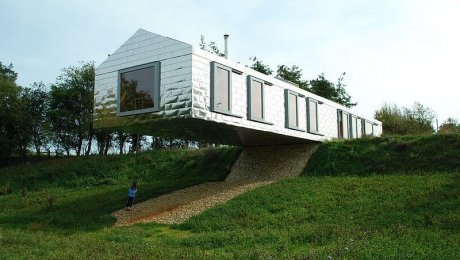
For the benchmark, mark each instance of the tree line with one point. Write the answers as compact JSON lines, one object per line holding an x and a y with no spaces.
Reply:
{"x":58,"y":118}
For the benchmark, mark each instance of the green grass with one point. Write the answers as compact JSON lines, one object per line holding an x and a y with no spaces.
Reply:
{"x":84,"y":191}
{"x":408,"y":154}
{"x":397,"y":213}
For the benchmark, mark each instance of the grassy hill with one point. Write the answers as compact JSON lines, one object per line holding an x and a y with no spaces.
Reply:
{"x":389,"y":212}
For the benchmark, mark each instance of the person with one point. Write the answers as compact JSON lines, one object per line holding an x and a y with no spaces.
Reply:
{"x":131,"y":194}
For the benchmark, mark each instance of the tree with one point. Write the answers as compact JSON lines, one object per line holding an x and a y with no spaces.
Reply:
{"x":35,"y":100}
{"x":259,"y":66}
{"x":415,"y":120}
{"x":14,"y":122}
{"x":71,"y":107}
{"x":324,"y":88}
{"x":210,"y":47}
{"x":292,"y":74}
{"x":450,"y":126}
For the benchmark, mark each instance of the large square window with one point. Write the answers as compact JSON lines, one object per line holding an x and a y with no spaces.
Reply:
{"x":221,"y":88}
{"x":256,"y":105}
{"x":292,"y":109}
{"x":312,"y":107}
{"x":139,"y":89}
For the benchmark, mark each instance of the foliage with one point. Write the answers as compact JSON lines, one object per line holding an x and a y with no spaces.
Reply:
{"x":35,"y":101}
{"x":259,"y":66}
{"x":210,"y":47}
{"x":14,"y":122}
{"x":71,"y":106}
{"x":450,"y":126}
{"x":393,"y":154}
{"x":292,"y":74}
{"x":319,"y":86}
{"x":324,"y":88}
{"x":415,"y":120}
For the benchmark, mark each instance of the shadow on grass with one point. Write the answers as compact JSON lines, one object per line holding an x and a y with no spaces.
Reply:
{"x":93,"y":211}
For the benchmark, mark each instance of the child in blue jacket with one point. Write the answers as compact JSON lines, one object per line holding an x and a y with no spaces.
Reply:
{"x":131,"y":194}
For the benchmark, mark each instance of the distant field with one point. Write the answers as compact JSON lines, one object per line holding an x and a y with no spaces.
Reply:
{"x":403,"y":214}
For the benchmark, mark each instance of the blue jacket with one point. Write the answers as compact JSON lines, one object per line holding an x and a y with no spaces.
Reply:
{"x":132,"y":192}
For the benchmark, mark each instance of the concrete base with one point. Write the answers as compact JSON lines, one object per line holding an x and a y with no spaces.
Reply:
{"x":271,"y":163}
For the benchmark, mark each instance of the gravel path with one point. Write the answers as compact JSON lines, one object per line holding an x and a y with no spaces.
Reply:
{"x":256,"y":166}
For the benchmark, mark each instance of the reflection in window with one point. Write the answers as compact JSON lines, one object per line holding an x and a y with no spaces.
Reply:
{"x":137,"y":89}
{"x":343,"y":119}
{"x":292,"y":117}
{"x":313,"y":116}
{"x":221,"y":88}
{"x":256,"y":99}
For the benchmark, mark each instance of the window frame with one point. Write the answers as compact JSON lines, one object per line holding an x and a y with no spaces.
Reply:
{"x":286,"y":109}
{"x":363,"y":127}
{"x":340,"y":127}
{"x":317,"y":102}
{"x":354,"y":126}
{"x":250,"y":79}
{"x":156,"y":88}
{"x":214,"y":67}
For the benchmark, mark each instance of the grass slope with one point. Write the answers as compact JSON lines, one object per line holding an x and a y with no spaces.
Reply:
{"x":84,"y":191}
{"x":394,"y":214}
{"x":386,"y":155}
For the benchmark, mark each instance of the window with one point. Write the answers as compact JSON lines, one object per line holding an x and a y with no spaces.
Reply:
{"x":343,"y":119}
{"x":221,"y":88}
{"x":367,"y":127}
{"x":354,"y":127}
{"x":292,"y":110}
{"x":139,"y":89}
{"x":312,"y":125}
{"x":256,"y":102}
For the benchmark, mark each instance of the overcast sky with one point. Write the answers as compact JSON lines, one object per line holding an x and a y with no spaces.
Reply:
{"x":392,"y":51}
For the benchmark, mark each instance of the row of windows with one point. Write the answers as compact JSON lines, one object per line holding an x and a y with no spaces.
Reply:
{"x":348,"y":126}
{"x":221,"y":96}
{"x":139,"y":92}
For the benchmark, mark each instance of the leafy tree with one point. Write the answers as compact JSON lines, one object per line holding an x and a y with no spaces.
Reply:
{"x":259,"y":66}
{"x":450,"y":126}
{"x":292,"y":74}
{"x":324,"y":88}
{"x":210,"y":47}
{"x":415,"y":120}
{"x":35,"y":101}
{"x":71,"y":107}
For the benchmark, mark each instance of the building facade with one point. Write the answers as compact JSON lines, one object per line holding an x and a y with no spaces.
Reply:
{"x":159,"y":86}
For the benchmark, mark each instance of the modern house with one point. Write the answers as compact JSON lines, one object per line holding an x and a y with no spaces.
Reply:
{"x":160,"y":86}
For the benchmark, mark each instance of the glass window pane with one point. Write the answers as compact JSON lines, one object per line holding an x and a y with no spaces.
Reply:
{"x":256,"y":100}
{"x":312,"y":116}
{"x":368,"y":128}
{"x":137,"y":89}
{"x":345,"y":125}
{"x":221,"y":90}
{"x":292,"y":110}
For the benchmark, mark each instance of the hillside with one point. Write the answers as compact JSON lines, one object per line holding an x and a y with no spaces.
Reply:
{"x":393,"y":212}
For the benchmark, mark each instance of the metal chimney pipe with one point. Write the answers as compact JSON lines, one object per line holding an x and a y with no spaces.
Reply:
{"x":226,"y":45}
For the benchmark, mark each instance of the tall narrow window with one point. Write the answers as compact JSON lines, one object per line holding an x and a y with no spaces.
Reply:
{"x":343,"y":120}
{"x":139,"y":89}
{"x":354,"y":127}
{"x":292,"y":110}
{"x":368,"y":127}
{"x":256,"y":105}
{"x":221,"y":88}
{"x":312,"y":125}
